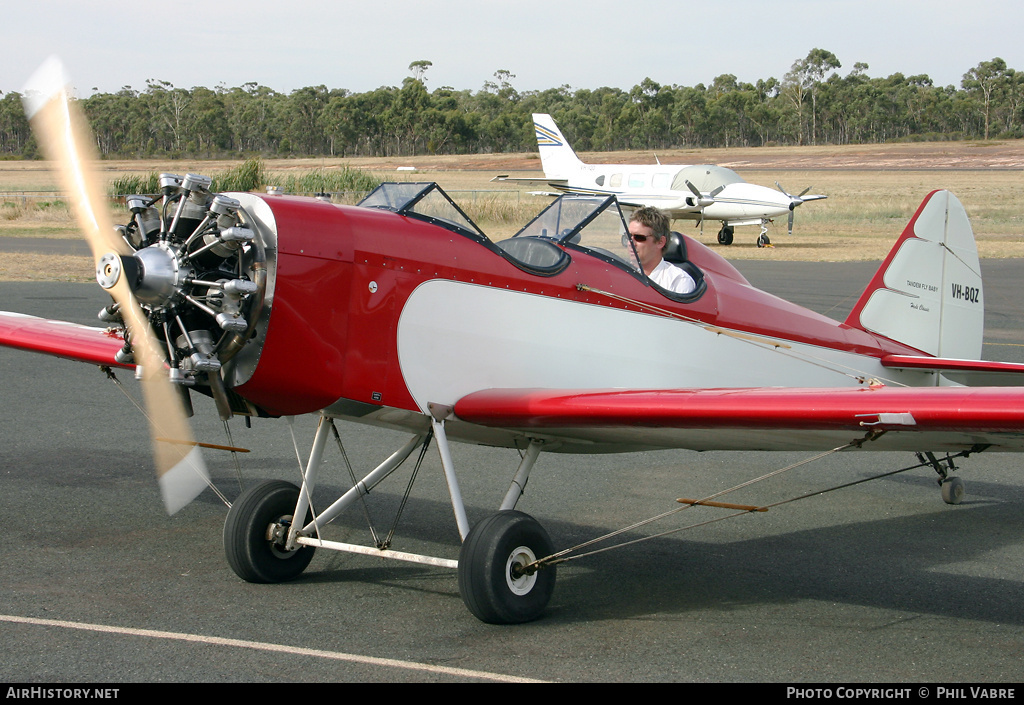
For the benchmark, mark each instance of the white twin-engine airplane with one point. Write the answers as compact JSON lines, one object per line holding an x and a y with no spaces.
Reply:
{"x":692,"y":192}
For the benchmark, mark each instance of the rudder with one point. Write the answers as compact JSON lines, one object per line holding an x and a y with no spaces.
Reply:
{"x":928,"y":292}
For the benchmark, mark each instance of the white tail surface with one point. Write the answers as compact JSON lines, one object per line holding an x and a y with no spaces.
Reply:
{"x":556,"y":156}
{"x":928,"y":292}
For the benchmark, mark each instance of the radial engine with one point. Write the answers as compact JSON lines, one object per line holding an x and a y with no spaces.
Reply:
{"x":198,"y":268}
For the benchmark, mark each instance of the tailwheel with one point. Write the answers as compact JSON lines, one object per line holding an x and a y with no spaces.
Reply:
{"x":953,"y":490}
{"x":256,"y":530}
{"x":491,"y":580}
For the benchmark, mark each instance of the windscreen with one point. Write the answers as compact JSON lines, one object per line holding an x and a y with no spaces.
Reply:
{"x":588,"y":223}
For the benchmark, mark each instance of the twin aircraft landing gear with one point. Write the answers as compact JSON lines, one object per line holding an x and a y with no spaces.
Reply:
{"x":499,"y":577}
{"x":725,"y":236}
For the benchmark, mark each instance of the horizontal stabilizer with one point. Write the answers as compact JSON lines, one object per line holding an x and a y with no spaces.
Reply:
{"x":528,"y":179}
{"x":973,"y":373}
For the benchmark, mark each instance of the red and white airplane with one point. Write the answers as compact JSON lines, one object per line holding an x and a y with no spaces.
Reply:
{"x":400,"y":313}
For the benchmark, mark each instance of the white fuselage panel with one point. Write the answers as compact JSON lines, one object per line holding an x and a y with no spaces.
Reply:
{"x":455,"y":338}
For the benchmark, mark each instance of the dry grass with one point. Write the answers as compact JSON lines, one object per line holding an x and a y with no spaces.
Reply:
{"x":19,"y":266}
{"x":872,"y":192}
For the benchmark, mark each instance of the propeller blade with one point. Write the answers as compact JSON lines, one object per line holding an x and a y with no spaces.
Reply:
{"x":64,"y":137}
{"x":800,"y":195}
{"x":701,"y":200}
{"x":791,"y":221}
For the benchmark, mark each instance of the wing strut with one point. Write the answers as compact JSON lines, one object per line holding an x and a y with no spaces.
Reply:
{"x":740,"y":509}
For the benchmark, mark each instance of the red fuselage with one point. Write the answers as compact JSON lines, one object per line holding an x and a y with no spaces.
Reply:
{"x":344,"y":275}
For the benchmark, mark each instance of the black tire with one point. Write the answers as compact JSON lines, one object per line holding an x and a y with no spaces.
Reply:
{"x":725,"y":236}
{"x":953,"y":490}
{"x":250,"y":553}
{"x":763,"y":241}
{"x":486,"y":582}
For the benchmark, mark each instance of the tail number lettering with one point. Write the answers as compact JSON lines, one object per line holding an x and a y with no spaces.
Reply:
{"x":966,"y":293}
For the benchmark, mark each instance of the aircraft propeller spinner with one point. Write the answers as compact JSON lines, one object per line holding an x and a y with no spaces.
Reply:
{"x":64,"y":136}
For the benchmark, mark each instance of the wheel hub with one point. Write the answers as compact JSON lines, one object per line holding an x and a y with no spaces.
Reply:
{"x":519,"y":580}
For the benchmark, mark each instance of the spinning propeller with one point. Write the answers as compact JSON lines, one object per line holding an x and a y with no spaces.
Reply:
{"x":64,"y":136}
{"x":794,"y":201}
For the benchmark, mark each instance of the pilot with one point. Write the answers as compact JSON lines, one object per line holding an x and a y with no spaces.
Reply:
{"x":648,"y":229}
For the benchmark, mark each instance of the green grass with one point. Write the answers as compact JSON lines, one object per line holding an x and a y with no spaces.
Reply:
{"x":253,"y":175}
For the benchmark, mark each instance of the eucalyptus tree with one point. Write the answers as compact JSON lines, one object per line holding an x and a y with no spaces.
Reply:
{"x":986,"y":82}
{"x":15,"y":133}
{"x":166,"y":109}
{"x":250,"y":112}
{"x":805,"y":78}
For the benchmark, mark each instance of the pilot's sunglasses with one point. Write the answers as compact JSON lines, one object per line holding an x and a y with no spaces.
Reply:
{"x":641,"y":238}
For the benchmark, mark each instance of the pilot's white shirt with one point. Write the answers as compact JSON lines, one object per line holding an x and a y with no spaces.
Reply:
{"x":668,"y":276}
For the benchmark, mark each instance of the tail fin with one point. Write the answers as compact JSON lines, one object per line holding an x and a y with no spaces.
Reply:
{"x":928,"y":293}
{"x":556,"y":156}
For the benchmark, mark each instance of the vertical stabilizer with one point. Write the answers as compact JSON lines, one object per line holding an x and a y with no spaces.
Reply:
{"x":556,"y":156}
{"x":928,"y":293}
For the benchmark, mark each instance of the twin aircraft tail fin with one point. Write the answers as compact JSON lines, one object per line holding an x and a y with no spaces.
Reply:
{"x":928,"y":293}
{"x":556,"y":156}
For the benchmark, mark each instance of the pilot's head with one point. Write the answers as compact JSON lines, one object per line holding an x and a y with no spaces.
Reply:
{"x":656,"y":220}
{"x":648,"y":228}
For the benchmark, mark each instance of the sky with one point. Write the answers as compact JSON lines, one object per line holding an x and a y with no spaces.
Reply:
{"x":288,"y":44}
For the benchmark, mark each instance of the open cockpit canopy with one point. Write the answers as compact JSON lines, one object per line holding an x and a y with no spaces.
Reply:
{"x":424,"y":201}
{"x":590,"y":224}
{"x":593,"y":224}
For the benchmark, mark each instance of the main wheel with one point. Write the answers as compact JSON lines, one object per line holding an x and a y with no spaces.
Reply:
{"x":255,"y":532}
{"x":953,"y":490}
{"x":725,"y":235}
{"x":491,"y":583}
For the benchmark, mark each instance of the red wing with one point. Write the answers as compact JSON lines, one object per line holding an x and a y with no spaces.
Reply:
{"x":769,"y":418}
{"x":60,"y":338}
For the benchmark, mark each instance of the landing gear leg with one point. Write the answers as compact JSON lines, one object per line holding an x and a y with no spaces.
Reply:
{"x":762,"y":239}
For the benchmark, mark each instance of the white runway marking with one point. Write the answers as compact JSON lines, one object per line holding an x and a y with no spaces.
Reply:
{"x":276,"y":648}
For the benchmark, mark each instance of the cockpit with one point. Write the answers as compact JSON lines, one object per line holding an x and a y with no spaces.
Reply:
{"x":423,"y":201}
{"x":592,"y":225}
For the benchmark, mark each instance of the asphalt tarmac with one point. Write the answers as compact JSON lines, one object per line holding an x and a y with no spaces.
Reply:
{"x":878,"y":583}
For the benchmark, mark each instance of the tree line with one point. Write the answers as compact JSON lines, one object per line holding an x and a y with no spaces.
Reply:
{"x":811,"y":104}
